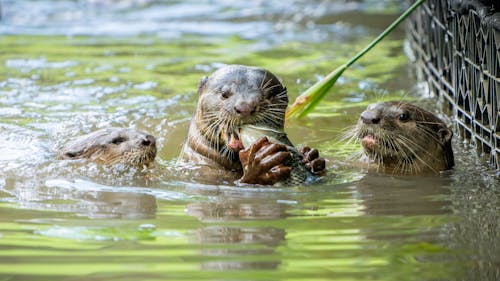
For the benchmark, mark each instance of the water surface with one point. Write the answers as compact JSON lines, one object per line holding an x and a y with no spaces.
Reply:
{"x":71,"y":67}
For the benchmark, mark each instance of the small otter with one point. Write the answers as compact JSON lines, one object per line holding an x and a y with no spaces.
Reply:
{"x":112,"y":146}
{"x":403,"y":138}
{"x":233,"y":96}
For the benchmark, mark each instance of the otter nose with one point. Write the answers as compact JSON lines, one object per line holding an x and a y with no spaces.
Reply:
{"x":245,"y":109}
{"x":370,"y":117}
{"x":149,"y":141}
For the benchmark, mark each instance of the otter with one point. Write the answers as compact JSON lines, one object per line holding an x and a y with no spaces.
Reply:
{"x":112,"y":146}
{"x":402,"y":138}
{"x":231,"y":97}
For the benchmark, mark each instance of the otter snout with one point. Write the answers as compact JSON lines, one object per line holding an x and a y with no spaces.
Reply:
{"x":245,"y":109}
{"x":370,"y":117}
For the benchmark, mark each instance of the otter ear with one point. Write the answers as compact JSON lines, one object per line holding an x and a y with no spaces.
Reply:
{"x":202,"y":84}
{"x":445,"y":135}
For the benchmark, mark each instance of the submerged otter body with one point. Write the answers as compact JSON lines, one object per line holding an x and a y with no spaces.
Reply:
{"x":112,"y":146}
{"x":230,"y":98}
{"x":403,"y":138}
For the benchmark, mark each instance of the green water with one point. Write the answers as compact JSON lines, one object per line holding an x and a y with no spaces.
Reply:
{"x":67,"y":220}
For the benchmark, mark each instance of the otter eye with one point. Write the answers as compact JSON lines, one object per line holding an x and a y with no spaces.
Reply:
{"x":118,"y":140}
{"x":226,"y":94}
{"x":71,"y":154}
{"x":404,"y":117}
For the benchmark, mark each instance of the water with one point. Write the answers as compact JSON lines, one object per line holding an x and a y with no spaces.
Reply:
{"x":71,"y":67}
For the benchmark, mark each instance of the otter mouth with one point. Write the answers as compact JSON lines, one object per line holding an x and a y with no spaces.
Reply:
{"x":369,"y":141}
{"x":232,"y":138}
{"x":381,"y":146}
{"x":377,"y":144}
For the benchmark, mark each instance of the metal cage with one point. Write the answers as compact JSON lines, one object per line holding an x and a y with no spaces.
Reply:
{"x":456,"y":45}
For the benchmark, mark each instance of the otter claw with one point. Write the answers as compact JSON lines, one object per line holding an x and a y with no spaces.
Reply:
{"x":317,"y":166}
{"x":262,"y":163}
{"x":279,"y":173}
{"x":314,"y":164}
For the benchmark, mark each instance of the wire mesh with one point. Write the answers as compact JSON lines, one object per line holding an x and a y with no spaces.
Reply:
{"x":457,"y":51}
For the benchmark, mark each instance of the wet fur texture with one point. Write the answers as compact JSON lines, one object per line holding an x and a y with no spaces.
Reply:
{"x":221,"y":96}
{"x":112,"y":146}
{"x":403,"y":138}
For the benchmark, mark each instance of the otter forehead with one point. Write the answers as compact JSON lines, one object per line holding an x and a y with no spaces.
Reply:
{"x":416,"y":113}
{"x":396,"y":109}
{"x":238,"y":78}
{"x":109,"y":135}
{"x":386,"y":109}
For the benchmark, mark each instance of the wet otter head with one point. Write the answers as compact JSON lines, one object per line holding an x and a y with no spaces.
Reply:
{"x":233,"y":96}
{"x":403,"y":138}
{"x":112,"y":146}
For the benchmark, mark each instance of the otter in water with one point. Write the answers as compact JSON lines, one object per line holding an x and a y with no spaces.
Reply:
{"x":112,"y":146}
{"x":232,"y":97}
{"x":404,"y":139}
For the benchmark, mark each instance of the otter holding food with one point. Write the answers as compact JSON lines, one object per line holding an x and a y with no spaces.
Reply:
{"x":403,"y":138}
{"x":112,"y":146}
{"x":231,"y":99}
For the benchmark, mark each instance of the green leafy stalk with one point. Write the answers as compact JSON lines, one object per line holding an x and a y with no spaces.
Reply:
{"x":308,"y":100}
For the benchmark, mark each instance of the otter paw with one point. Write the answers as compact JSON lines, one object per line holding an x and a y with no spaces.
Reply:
{"x":263,"y":163}
{"x":314,"y":164}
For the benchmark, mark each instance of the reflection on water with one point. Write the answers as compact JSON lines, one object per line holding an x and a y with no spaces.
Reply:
{"x":218,"y":235}
{"x":407,"y":196}
{"x":136,"y":63}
